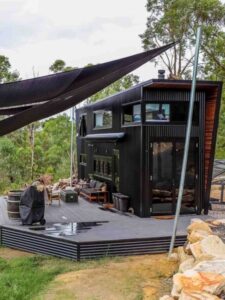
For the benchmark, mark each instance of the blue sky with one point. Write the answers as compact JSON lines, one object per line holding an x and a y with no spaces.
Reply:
{"x":33,"y":33}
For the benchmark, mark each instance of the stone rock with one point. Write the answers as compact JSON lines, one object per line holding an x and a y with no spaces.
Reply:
{"x":199,"y":225}
{"x":182,"y":256}
{"x":187,"y":264}
{"x":218,"y":222}
{"x":200,"y":281}
{"x":215,"y":266}
{"x":173,"y":257}
{"x":166,"y":297}
{"x":187,"y":248}
{"x":211,"y":246}
{"x":197,"y":235}
{"x":190,"y":295}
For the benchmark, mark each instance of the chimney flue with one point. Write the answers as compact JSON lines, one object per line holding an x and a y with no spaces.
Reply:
{"x":161,"y":74}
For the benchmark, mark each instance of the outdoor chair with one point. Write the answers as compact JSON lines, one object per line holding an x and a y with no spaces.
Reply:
{"x":54,"y":195}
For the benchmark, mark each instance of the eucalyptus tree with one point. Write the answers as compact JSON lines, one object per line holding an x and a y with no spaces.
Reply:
{"x":176,"y":21}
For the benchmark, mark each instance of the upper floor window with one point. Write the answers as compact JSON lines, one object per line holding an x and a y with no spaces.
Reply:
{"x":103,"y":119}
{"x":174,"y":112}
{"x":157,"y":112}
{"x":131,"y":114}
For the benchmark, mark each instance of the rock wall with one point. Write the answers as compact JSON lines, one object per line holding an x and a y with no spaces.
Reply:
{"x":201,"y":274}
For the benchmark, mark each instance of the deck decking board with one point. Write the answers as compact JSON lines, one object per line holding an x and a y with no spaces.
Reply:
{"x":121,"y":234}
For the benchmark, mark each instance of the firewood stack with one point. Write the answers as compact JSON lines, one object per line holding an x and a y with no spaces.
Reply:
{"x":165,"y":196}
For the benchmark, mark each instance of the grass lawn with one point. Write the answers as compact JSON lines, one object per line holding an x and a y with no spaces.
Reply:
{"x":28,"y":277}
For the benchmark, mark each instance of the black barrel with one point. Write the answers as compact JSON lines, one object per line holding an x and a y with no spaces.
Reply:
{"x":13,"y":204}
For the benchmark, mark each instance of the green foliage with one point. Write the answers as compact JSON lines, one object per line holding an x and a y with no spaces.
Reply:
{"x":25,"y":278}
{"x":118,"y":86}
{"x":22,"y":278}
{"x":177,"y":20}
{"x":59,"y":66}
{"x":51,"y":152}
{"x":5,"y":74}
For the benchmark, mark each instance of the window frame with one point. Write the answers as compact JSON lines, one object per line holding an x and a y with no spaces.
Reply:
{"x":138,"y":123}
{"x":101,"y":158}
{"x":102,"y":111}
{"x":155,"y":121}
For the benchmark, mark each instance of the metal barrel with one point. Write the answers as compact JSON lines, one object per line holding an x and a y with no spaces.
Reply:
{"x":13,"y":203}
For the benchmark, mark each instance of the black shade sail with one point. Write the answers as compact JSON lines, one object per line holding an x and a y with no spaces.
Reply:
{"x":31,"y":100}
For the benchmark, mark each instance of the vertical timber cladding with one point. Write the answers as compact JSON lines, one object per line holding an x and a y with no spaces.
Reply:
{"x":212,"y":109}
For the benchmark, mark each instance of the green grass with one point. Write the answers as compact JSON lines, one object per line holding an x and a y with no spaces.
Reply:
{"x":25,"y":278}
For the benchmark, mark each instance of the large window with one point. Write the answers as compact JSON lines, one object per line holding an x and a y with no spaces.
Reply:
{"x":131,"y":114}
{"x":103,"y":119}
{"x":174,"y":112}
{"x":157,"y":112}
{"x":103,"y":166}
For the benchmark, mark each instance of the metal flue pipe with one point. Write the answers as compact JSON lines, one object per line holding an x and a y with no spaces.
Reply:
{"x":187,"y":140}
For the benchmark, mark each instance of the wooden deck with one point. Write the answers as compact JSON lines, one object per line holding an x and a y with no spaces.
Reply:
{"x":120,"y":234}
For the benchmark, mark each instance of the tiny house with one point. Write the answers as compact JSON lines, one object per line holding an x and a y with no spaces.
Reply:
{"x":134,"y":141}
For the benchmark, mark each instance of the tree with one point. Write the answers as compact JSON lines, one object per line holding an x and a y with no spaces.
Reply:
{"x":52,"y":147}
{"x":177,"y":20}
{"x":59,"y":66}
{"x":5,"y":74}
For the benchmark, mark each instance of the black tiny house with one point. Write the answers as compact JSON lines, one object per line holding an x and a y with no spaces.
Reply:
{"x":134,"y":141}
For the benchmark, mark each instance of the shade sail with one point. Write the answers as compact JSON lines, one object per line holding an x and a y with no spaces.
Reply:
{"x":34,"y":99}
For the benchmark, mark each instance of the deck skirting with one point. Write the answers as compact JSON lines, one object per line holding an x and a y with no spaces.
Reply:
{"x":61,"y":247}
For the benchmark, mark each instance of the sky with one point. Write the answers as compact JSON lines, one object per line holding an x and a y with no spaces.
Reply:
{"x":34,"y":33}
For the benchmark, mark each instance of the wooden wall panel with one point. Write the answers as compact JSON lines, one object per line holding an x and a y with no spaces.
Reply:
{"x":210,"y":115}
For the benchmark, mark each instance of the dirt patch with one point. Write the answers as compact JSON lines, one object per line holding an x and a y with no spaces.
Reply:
{"x":7,"y":253}
{"x":131,"y":278}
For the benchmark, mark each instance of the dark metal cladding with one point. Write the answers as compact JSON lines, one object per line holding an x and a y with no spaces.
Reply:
{"x":70,"y":88}
{"x":151,"y":150}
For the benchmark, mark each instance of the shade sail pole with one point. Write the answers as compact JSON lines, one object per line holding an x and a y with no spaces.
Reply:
{"x":72,"y":146}
{"x":187,"y":140}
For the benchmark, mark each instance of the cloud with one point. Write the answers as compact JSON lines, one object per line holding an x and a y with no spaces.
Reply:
{"x":36,"y":32}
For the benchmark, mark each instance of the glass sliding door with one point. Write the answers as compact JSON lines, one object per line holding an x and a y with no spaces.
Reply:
{"x":165,"y":172}
{"x":162,"y":177}
{"x":189,"y":196}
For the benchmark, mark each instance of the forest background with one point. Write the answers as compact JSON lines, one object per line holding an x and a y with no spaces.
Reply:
{"x":44,"y":146}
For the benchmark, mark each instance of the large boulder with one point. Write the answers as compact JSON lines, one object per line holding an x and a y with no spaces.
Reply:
{"x":166,"y":297}
{"x":213,"y":266}
{"x":211,"y":246}
{"x":198,"y":282}
{"x":199,"y":225}
{"x":190,"y":295}
{"x":187,"y":264}
{"x":182,"y":255}
{"x":197,"y":235}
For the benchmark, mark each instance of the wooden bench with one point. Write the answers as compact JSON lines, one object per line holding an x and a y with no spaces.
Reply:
{"x":94,"y":195}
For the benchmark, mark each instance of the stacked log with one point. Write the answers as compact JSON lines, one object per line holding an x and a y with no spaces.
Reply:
{"x":165,"y":196}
